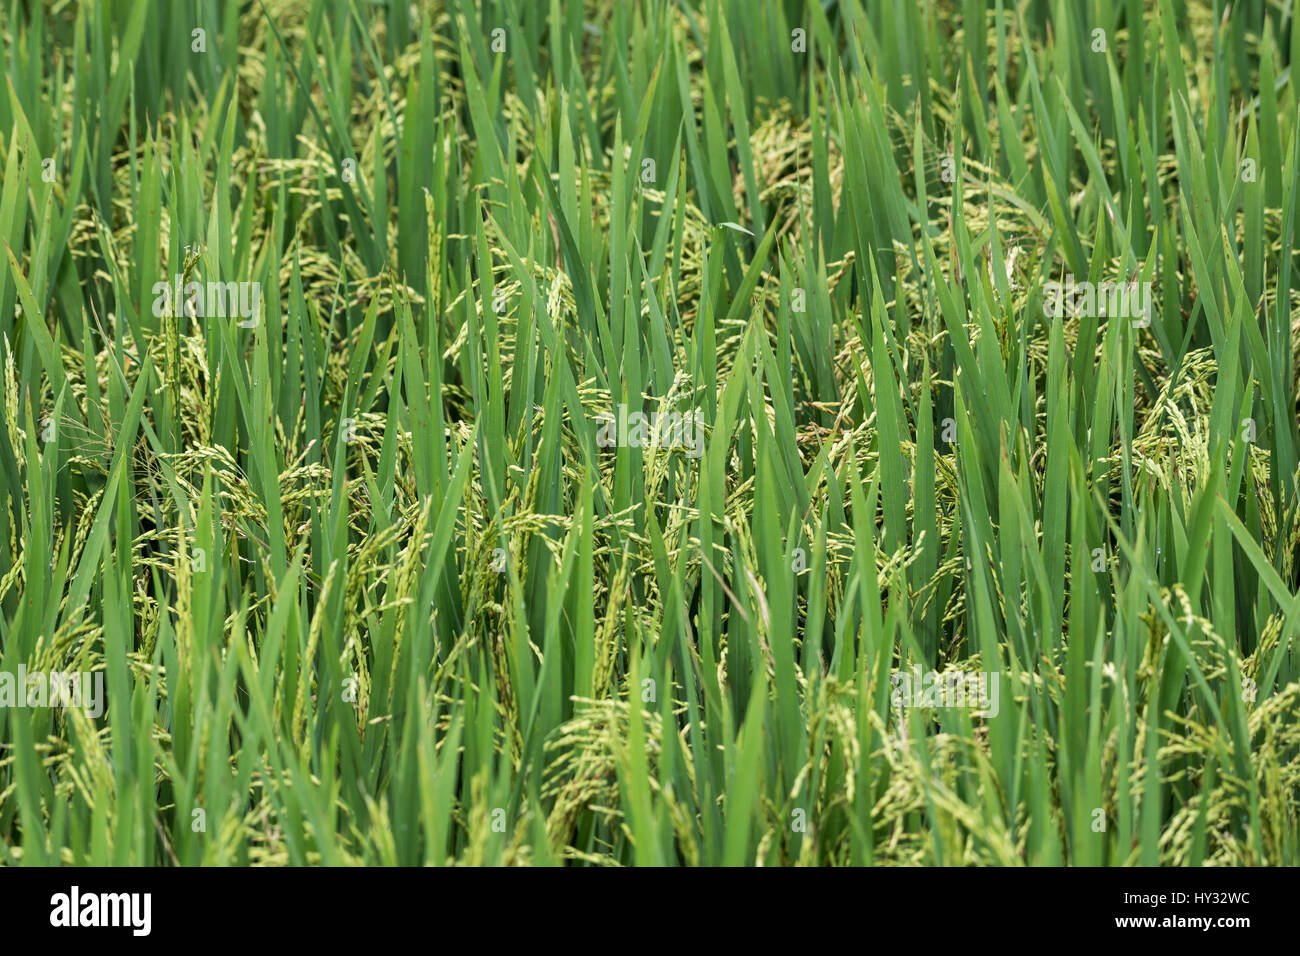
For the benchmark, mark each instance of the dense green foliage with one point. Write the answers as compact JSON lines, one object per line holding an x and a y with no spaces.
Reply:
{"x":362,"y":577}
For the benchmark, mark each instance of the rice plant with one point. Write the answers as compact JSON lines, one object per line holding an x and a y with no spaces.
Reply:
{"x":649,"y":432}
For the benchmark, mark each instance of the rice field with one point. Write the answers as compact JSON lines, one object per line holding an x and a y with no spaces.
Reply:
{"x":649,"y":432}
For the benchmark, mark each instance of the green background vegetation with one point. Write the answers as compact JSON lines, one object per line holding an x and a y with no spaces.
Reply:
{"x":679,"y":660}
